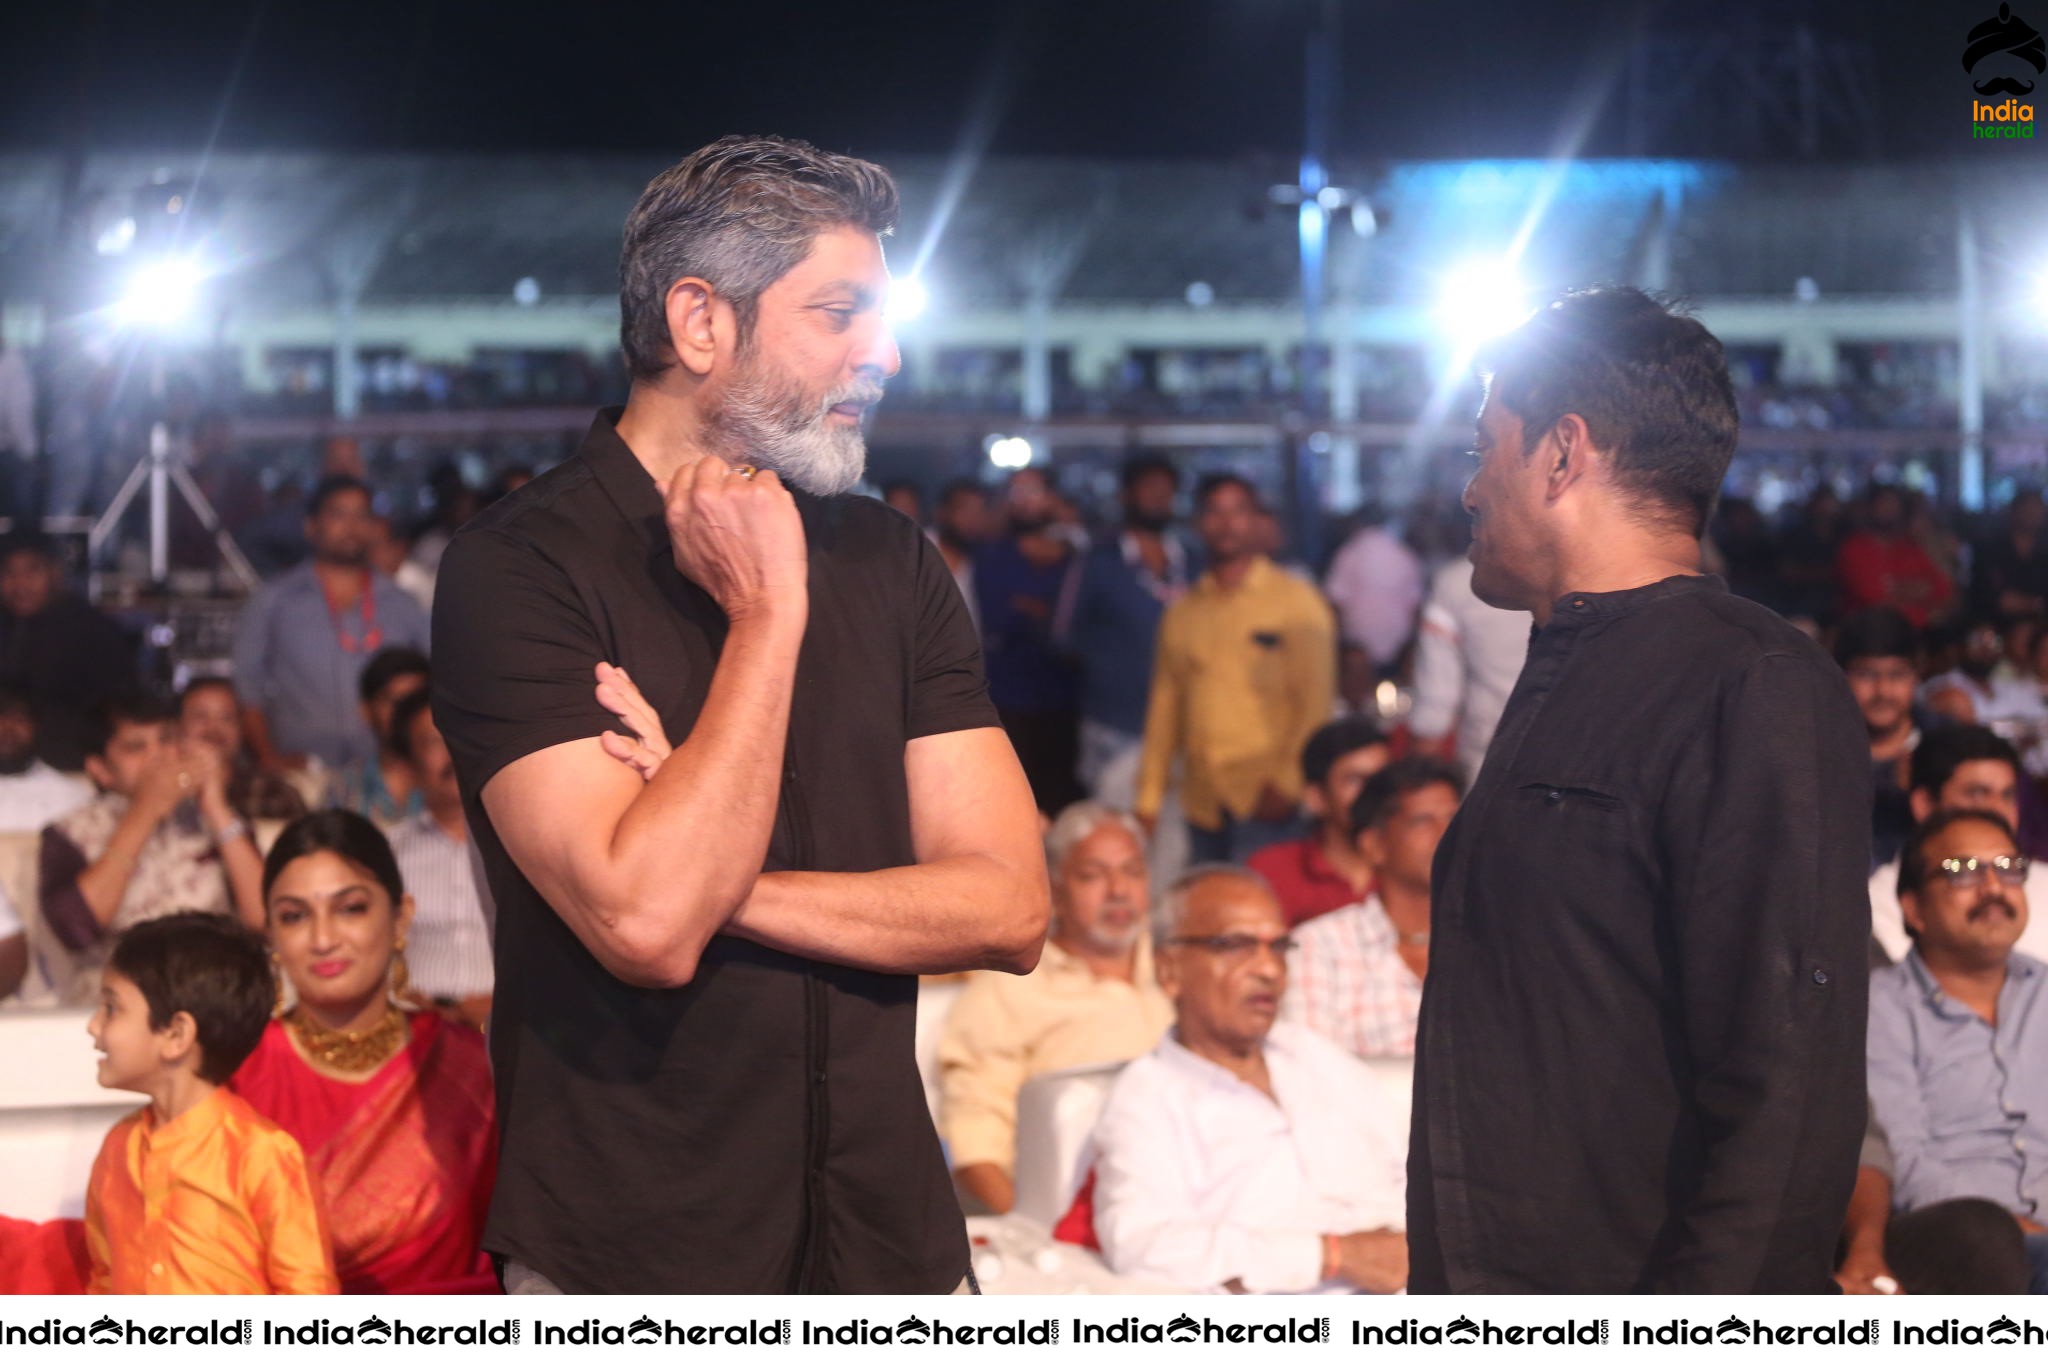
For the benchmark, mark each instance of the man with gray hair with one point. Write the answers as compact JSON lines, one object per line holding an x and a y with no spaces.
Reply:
{"x":707,"y":957}
{"x":1094,"y":998}
{"x":1242,"y":1153}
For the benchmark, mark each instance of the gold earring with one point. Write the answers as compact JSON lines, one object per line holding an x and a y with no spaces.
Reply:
{"x":401,"y":977}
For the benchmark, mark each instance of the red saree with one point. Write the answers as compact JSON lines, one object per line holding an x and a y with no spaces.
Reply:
{"x":405,"y":1160}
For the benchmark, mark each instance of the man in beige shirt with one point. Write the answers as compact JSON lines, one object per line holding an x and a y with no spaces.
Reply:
{"x":1094,"y":998}
{"x":1246,"y":672}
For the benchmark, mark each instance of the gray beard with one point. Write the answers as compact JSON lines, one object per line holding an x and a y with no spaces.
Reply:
{"x":774,"y":428}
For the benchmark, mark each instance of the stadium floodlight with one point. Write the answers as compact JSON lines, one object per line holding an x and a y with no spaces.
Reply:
{"x":1010,"y":452}
{"x":161,"y":294}
{"x":1481,"y":299}
{"x":908,"y":298}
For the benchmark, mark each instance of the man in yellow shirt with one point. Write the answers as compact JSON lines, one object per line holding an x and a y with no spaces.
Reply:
{"x":1094,"y":998}
{"x":1247,"y":669}
{"x":196,"y":1193}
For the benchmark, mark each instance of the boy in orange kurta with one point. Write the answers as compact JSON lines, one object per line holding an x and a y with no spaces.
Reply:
{"x":196,"y":1193}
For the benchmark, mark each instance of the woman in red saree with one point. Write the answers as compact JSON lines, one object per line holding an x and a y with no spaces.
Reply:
{"x":393,"y":1106}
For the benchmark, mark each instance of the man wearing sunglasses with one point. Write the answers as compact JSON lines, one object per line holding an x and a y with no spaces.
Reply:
{"x":1957,"y":767}
{"x":1240,"y":1154}
{"x":1959,"y":1037}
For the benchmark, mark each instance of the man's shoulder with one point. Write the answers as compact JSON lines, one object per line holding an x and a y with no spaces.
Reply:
{"x":544,"y":506}
{"x":1281,"y":859}
{"x":1333,"y":928}
{"x":1728,"y":635}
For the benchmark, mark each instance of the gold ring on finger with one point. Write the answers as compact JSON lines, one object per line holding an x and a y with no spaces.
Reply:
{"x":746,"y":471}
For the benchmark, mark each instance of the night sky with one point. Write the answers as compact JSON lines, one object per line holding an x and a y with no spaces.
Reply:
{"x":1168,"y":78}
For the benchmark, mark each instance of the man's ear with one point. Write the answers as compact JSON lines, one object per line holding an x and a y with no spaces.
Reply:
{"x":1922,"y":803}
{"x":692,"y":308}
{"x":1166,"y":966}
{"x":1909,"y":910}
{"x":98,"y":770}
{"x":1569,"y":448}
{"x":1372,"y":845}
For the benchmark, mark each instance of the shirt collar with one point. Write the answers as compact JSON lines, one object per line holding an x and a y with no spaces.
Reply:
{"x":1576,"y":607}
{"x":624,"y":479}
{"x":195,"y":1123}
{"x":2018,"y":968}
{"x":1255,"y":578}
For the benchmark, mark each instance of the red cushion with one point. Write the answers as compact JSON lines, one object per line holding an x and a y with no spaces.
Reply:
{"x":43,"y":1258}
{"x":1077,"y":1224}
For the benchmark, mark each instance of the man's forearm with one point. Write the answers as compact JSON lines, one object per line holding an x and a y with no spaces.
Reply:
{"x":952,"y":914}
{"x":105,"y":880}
{"x":688,"y":849}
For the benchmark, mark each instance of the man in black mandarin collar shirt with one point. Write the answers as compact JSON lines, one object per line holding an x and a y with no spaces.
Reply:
{"x":707,"y":981}
{"x":1640,"y":1064}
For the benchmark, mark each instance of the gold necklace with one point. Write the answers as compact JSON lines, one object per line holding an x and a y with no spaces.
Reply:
{"x":346,"y":1049}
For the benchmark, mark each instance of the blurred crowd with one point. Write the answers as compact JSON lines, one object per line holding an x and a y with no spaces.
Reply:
{"x":1244,"y":765}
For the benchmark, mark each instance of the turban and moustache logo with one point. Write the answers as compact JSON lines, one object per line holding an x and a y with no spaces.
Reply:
{"x":2008,"y":33}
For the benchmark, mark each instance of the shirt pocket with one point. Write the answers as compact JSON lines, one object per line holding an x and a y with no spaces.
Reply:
{"x":1556,"y":845}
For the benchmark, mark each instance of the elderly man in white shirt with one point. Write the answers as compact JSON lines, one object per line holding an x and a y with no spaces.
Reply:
{"x":1242,"y":1155}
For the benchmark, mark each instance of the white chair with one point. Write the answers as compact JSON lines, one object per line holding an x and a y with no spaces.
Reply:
{"x":1056,"y":1115}
{"x":53,"y":1115}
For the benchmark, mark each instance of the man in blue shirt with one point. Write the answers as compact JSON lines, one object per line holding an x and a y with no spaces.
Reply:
{"x":303,"y":639}
{"x":1110,"y":621}
{"x":1959,"y":1031}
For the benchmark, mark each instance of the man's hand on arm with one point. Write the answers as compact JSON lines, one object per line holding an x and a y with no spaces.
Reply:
{"x":1376,"y":1262}
{"x":1863,"y":1269}
{"x":645,"y":871}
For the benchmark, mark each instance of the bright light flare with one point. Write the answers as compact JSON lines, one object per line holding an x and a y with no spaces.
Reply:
{"x":1010,"y":452}
{"x":1481,"y":299}
{"x":161,"y":294}
{"x":908,"y":298}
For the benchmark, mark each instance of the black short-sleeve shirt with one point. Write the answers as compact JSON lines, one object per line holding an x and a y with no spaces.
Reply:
{"x":763,"y":1128}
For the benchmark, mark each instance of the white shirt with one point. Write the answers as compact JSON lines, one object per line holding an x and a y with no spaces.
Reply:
{"x":1888,"y":922}
{"x":1467,"y":658}
{"x":31,"y":799}
{"x":448,"y":950}
{"x":1200,"y":1179}
{"x":1348,"y":982}
{"x":1375,"y":582}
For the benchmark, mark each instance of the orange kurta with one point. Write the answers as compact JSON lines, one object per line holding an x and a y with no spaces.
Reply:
{"x":217,"y":1201}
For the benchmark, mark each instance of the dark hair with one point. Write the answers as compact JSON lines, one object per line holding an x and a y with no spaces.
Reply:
{"x":738,"y":214}
{"x":403,"y":715}
{"x":961,"y":488}
{"x":206,"y":966}
{"x":346,"y":835}
{"x":1942,"y":751}
{"x":1137,"y":468}
{"x":133,"y":707}
{"x":14,"y":700}
{"x":204,"y":681}
{"x":1912,"y":859}
{"x":1651,"y":385}
{"x":1332,"y":741}
{"x":1212,"y":484}
{"x":1384,"y":789}
{"x":28,"y":540}
{"x":331,"y":487}
{"x":388,"y":665}
{"x":1875,"y":633}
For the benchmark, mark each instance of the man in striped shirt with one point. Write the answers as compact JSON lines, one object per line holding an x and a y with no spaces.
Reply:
{"x":448,"y":949}
{"x":1357,"y":972}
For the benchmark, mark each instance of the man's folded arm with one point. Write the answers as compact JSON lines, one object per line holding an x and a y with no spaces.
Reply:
{"x":645,"y":873}
{"x":977,"y":896}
